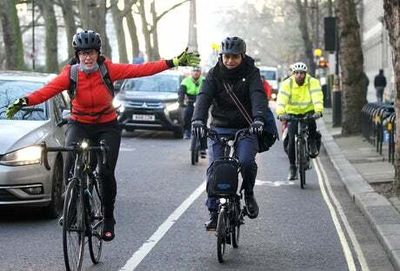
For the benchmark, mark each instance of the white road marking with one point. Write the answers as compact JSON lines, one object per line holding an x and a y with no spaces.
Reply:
{"x":127,"y":149}
{"x":332,"y":202}
{"x":273,"y":183}
{"x":350,"y":232}
{"x":142,"y":252}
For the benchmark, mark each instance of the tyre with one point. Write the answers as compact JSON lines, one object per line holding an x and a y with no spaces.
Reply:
{"x":221,"y":234}
{"x":55,"y":208}
{"x":96,"y":223}
{"x":194,"y":151}
{"x":302,"y":164}
{"x":178,"y":133}
{"x":235,"y":231}
{"x":73,"y":227}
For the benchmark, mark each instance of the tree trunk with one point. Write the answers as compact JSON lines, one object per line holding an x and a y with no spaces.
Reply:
{"x":119,"y":30}
{"x":351,"y":64}
{"x":146,"y":32}
{"x":392,"y":21}
{"x":47,"y":9}
{"x":303,"y":25}
{"x":70,"y":26}
{"x":154,"y":32}
{"x":93,"y":17}
{"x":132,"y":29}
{"x":12,"y":35}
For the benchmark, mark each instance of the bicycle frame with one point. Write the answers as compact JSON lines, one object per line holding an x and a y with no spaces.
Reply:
{"x":82,"y":214}
{"x":301,"y":144}
{"x":231,"y":214}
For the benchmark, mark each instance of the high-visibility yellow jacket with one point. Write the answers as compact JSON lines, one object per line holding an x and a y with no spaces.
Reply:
{"x":295,"y":99}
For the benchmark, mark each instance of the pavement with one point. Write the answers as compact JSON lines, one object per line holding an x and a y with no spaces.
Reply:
{"x":368,"y":178}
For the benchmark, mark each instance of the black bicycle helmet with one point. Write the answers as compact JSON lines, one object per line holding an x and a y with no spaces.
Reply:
{"x":87,"y":39}
{"x":233,"y":45}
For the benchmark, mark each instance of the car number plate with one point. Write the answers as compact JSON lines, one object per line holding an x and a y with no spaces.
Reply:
{"x":144,"y":117}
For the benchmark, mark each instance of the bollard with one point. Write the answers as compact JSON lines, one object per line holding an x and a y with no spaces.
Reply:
{"x":336,"y":104}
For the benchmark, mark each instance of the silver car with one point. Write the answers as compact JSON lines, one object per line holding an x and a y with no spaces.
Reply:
{"x":23,"y":180}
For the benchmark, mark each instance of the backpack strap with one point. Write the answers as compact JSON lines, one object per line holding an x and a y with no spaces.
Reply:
{"x":106,"y":79}
{"x":73,"y":81}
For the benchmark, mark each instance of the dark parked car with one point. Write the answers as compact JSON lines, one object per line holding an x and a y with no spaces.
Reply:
{"x":23,"y":180}
{"x":151,"y":103}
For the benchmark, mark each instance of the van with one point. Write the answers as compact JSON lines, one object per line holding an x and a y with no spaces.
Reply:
{"x":271,"y":75}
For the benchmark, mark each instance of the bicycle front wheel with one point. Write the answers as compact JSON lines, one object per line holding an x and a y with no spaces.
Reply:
{"x":235,"y":231}
{"x":73,"y":227}
{"x":221,"y":234}
{"x":302,"y":163}
{"x":96,"y":223}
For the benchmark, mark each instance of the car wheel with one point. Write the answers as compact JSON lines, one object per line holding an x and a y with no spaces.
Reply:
{"x":54,"y":210}
{"x":178,"y":134}
{"x":129,"y":129}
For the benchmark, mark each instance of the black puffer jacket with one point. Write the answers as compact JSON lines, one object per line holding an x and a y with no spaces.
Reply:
{"x":247,"y":86}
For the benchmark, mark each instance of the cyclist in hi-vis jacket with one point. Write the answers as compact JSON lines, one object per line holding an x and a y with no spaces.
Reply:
{"x":92,"y":114}
{"x":300,"y":94}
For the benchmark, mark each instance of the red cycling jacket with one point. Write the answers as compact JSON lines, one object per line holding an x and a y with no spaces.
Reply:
{"x":92,"y":95}
{"x":267,"y":88}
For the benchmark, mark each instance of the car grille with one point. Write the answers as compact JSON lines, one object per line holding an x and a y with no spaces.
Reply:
{"x":150,"y":105}
{"x":7,"y":196}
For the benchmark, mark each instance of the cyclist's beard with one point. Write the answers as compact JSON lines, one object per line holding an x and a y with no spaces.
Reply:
{"x":300,"y":82}
{"x":87,"y":70}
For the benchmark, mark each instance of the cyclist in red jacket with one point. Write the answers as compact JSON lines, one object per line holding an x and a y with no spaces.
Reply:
{"x":92,"y":114}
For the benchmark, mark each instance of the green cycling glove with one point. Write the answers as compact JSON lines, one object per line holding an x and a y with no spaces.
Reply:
{"x":187,"y":59}
{"x":15,"y":107}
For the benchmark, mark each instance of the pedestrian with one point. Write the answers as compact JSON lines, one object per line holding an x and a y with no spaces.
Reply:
{"x":380,"y":84}
{"x":188,"y":91}
{"x":364,"y":85}
{"x":92,"y":114}
{"x":233,"y":80}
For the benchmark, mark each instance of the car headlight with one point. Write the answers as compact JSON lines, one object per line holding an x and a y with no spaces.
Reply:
{"x":25,"y":156}
{"x":172,"y":106}
{"x":118,"y":105}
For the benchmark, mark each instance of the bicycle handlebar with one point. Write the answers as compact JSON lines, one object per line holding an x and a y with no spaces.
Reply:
{"x":213,"y":134}
{"x":75,"y":148}
{"x":298,"y":118}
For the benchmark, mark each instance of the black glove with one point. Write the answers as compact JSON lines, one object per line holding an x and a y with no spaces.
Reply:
{"x":257,"y":127}
{"x":317,"y":115}
{"x":198,"y":129}
{"x":15,"y":107}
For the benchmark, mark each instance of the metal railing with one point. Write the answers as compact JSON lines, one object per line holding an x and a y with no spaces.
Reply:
{"x":379,"y":127}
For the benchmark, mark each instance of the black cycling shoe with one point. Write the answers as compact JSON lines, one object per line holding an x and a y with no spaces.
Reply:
{"x":108,"y":229}
{"x":252,"y":206}
{"x":211,"y":225}
{"x":313,"y":150}
{"x":292,"y":173}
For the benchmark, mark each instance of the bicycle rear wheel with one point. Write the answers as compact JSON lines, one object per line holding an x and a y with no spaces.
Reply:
{"x":194,"y":150}
{"x":96,"y":223}
{"x":302,"y":163}
{"x":73,"y":227}
{"x":221,"y":234}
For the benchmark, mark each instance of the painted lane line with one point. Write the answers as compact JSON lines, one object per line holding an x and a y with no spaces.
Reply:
{"x":350,"y":232}
{"x":142,"y":252}
{"x":345,"y":246}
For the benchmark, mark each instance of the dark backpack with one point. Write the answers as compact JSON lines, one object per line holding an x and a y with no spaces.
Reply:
{"x":73,"y":79}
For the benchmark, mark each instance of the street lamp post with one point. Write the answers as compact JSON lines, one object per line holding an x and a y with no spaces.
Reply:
{"x":33,"y":35}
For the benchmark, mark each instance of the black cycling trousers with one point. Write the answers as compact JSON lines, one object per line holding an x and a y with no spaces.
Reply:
{"x":111,"y":133}
{"x":292,"y":130}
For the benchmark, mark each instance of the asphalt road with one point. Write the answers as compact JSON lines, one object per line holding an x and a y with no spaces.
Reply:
{"x":160,"y":217}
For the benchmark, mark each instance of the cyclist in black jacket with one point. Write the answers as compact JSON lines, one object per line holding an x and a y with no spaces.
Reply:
{"x":236,"y":70}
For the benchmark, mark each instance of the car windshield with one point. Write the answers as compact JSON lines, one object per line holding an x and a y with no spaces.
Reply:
{"x":154,"y":83}
{"x":269,"y":75}
{"x":12,"y":90}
